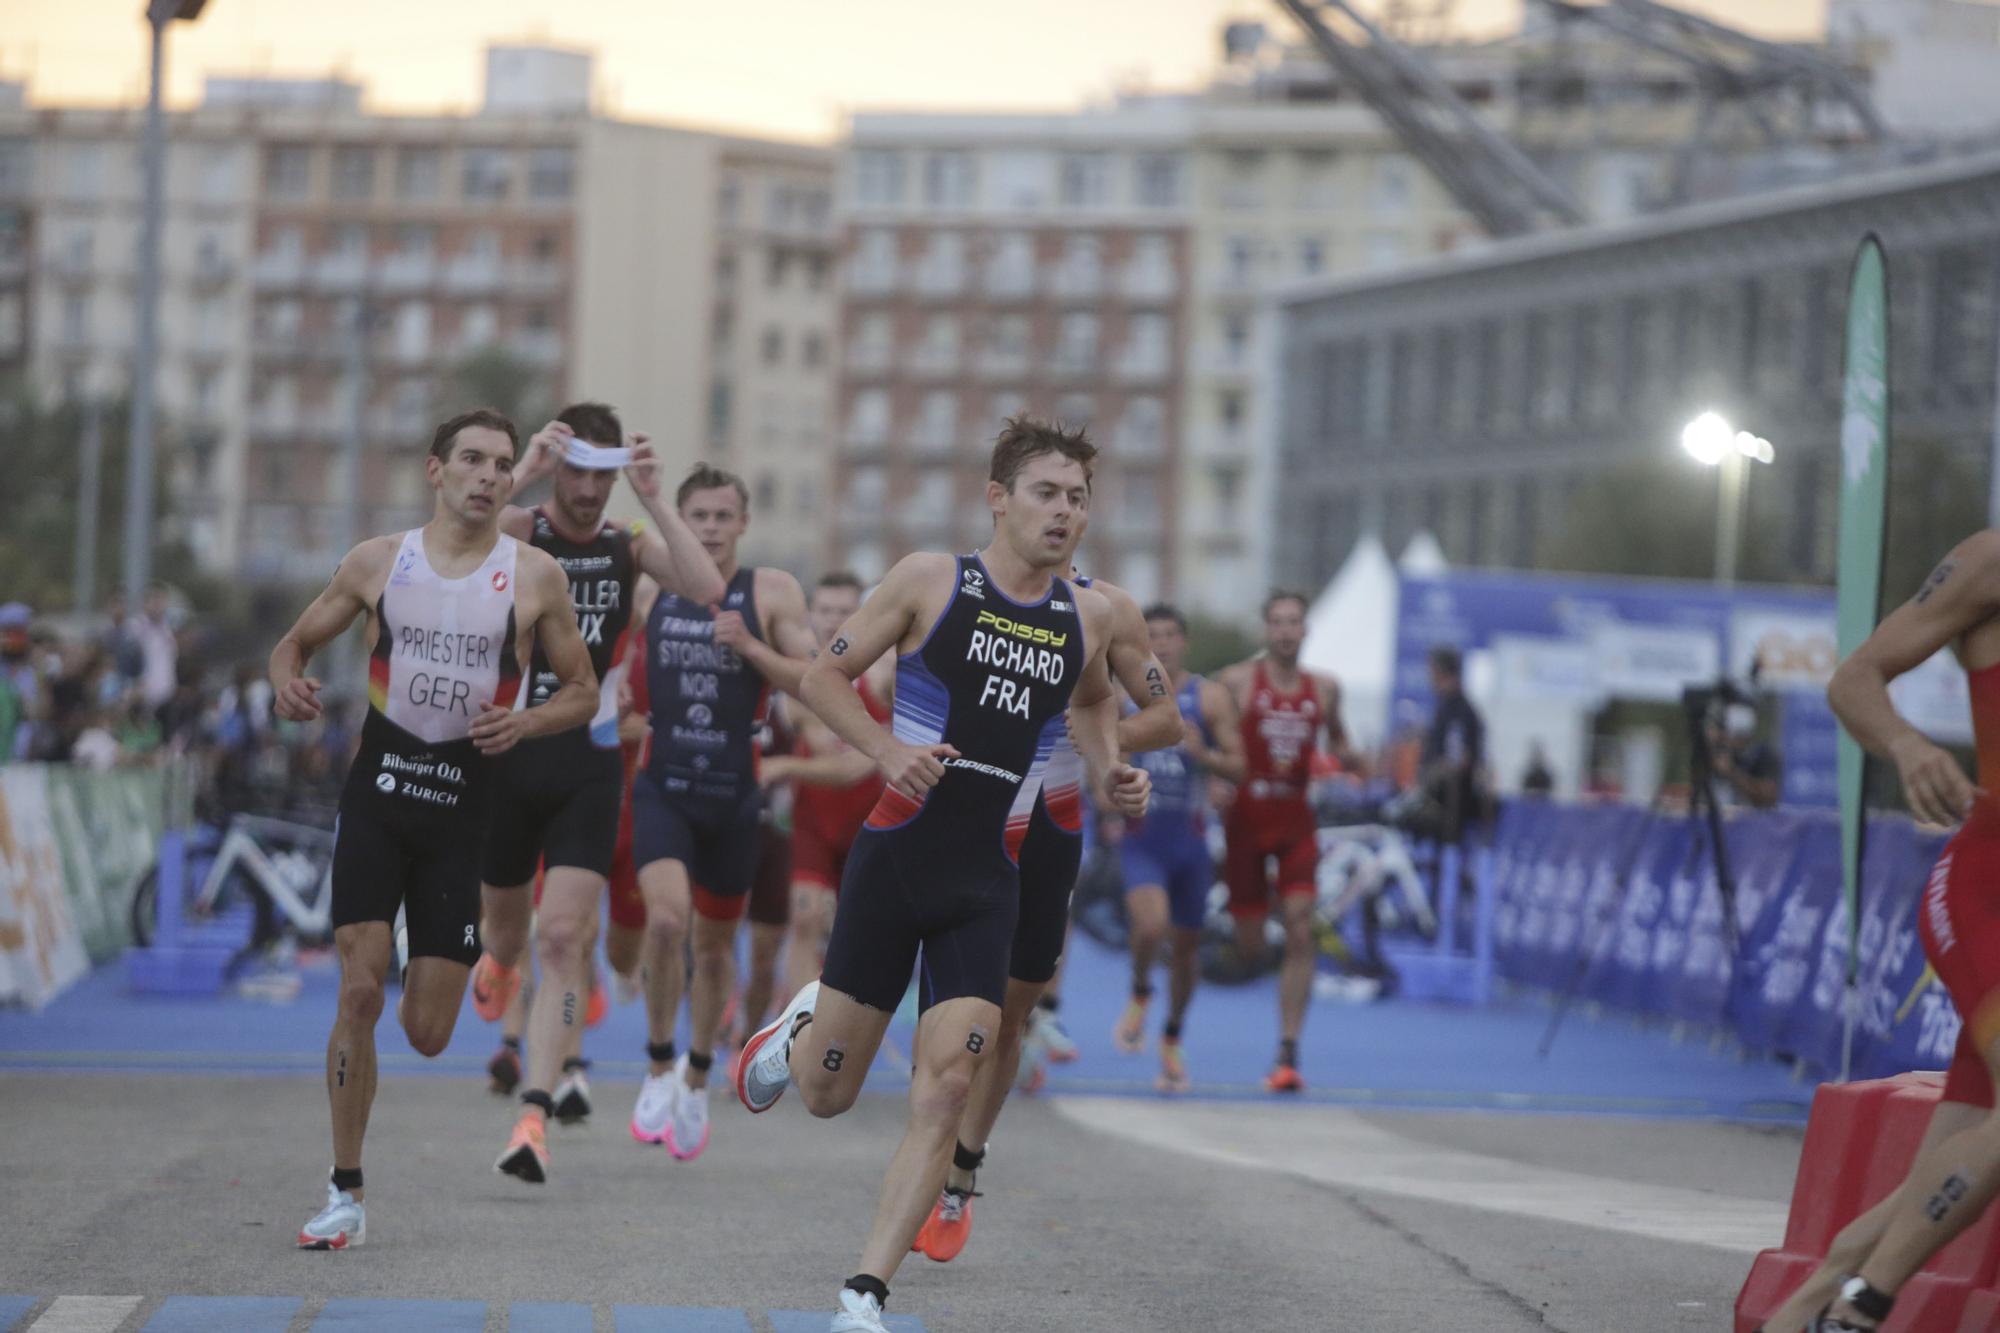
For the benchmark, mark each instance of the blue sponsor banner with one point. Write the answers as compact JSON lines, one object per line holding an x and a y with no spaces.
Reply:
{"x":1630,"y":901}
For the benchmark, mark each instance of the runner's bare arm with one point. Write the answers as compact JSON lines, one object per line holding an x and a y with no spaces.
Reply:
{"x":788,"y":647}
{"x":544,"y":451}
{"x":1959,"y":594}
{"x":353,"y":586}
{"x":832,"y":763}
{"x":1225,"y":759}
{"x":1336,"y":730}
{"x":1157,"y":724}
{"x":669,"y":551}
{"x":883,"y":621}
{"x":1093,"y":723}
{"x":497,"y":729}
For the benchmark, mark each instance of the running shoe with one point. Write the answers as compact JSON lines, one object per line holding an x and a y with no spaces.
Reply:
{"x":1284,"y":1078}
{"x":655,"y":1105}
{"x":859,"y":1313}
{"x":1173,"y":1067}
{"x":527,"y":1155}
{"x":338,"y":1226}
{"x":764,"y":1070}
{"x":1033,"y":1076}
{"x":1057,"y":1044}
{"x":949,"y":1226}
{"x":687,"y":1120}
{"x":504,"y":1069}
{"x":572,"y":1097}
{"x":599,"y":1004}
{"x":493,"y":988}
{"x":1130,"y":1032}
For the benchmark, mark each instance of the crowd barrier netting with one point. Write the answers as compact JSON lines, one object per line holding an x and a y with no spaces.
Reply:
{"x":1636,"y":893}
{"x":72,"y":844}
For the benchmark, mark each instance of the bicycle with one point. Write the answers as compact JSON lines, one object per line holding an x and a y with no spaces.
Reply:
{"x":282,"y":869}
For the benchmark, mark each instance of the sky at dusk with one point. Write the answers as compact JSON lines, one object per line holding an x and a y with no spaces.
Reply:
{"x":791,"y":68}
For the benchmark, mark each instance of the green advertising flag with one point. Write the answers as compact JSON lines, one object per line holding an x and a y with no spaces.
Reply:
{"x":1864,"y":477}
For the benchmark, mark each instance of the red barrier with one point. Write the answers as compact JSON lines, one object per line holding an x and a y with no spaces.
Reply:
{"x":1859,"y":1143}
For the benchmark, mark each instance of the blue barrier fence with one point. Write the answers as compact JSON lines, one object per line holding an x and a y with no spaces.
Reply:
{"x":1655,"y":941}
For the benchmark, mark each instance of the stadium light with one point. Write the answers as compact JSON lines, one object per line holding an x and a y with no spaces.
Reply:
{"x":1711,"y":441}
{"x":1707,"y":438}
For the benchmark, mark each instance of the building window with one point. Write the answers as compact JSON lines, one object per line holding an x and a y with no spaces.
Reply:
{"x":817,"y":268}
{"x":1076,"y":343}
{"x":17,"y":166}
{"x":551,"y":174}
{"x":1142,"y":428}
{"x":1076,"y":409}
{"x":1395,"y":187}
{"x":353,"y":172}
{"x":718,"y":413}
{"x":416,"y":240}
{"x":77,"y":249}
{"x":287,"y":171}
{"x":812,"y":352}
{"x":775,"y":264}
{"x":767,"y":492}
{"x":868,"y":418}
{"x":419,"y":173}
{"x":729,"y":201}
{"x":1230,"y":408}
{"x":773,"y":347}
{"x":1239,"y":259}
{"x":75,"y":318}
{"x":1312,"y":255}
{"x":948,"y":179}
{"x":83,"y":170}
{"x":484,"y":173}
{"x":878,"y":177}
{"x":1083,"y":181}
{"x":218,"y":172}
{"x":1242,"y":184}
{"x":1157,"y":180}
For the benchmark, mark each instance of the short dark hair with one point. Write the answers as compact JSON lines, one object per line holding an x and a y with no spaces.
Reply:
{"x":1024,"y":439}
{"x":839,"y":578}
{"x":708,"y":477}
{"x":1447,"y":661}
{"x":447,"y":433}
{"x":1166,"y":611}
{"x":1284,"y":595}
{"x":594,"y":423}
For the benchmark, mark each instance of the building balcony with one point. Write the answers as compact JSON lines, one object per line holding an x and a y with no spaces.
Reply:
{"x":933,"y":441}
{"x":340,"y":272}
{"x":869,"y":358}
{"x":466,"y":276}
{"x":1071,"y":366}
{"x":540,"y":347}
{"x":406,"y":273}
{"x":1068,"y":284}
{"x":275,"y":421}
{"x":865,"y":279}
{"x":938,"y":282}
{"x":1149,"y":286}
{"x":1010,"y":283}
{"x":535,"y":276}
{"x":865,"y":438}
{"x":995,"y":364}
{"x":1137,"y":366}
{"x":935,"y":362}
{"x":212,"y":271}
{"x":1221,"y":361}
{"x":279,"y":270}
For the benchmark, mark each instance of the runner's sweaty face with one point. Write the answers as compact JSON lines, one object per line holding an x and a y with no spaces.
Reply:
{"x":718,"y":517}
{"x":1042,"y":517}
{"x":581,"y":493}
{"x":472,"y":483}
{"x":1285,"y":629}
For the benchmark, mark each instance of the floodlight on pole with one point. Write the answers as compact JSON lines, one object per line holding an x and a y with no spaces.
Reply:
{"x":1707,"y":438}
{"x":1711,"y":441}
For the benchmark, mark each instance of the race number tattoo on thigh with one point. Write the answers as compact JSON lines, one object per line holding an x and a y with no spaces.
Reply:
{"x":975,"y":1040}
{"x":835,"y":1057}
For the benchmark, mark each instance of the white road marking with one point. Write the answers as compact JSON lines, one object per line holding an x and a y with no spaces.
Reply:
{"x":85,"y":1314}
{"x":1343,"y":1149}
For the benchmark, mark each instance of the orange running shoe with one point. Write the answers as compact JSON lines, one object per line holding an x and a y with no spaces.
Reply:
{"x":1284,"y":1078}
{"x":950,"y":1225}
{"x":493,"y":988}
{"x":1173,"y":1068}
{"x":527,"y":1155}
{"x":600,"y":1003}
{"x":1129,"y":1034}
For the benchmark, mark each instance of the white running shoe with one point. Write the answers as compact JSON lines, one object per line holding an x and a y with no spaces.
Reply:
{"x":764,"y":1069}
{"x":687,"y":1118}
{"x":338,"y":1226}
{"x":572,"y":1097}
{"x":655,"y":1107}
{"x":1057,"y":1044}
{"x":859,"y":1312}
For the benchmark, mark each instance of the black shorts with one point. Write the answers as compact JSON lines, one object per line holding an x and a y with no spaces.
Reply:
{"x":1050,"y":859}
{"x":892,"y":914}
{"x":427,"y":866}
{"x":555,"y":803}
{"x":718,"y":842}
{"x":771,"y":886}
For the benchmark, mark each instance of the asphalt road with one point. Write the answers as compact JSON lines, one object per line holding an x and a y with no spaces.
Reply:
{"x":1126,"y":1215}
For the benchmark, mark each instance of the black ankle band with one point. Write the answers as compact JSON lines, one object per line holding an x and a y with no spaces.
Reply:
{"x":541,"y":1099}
{"x":700,"y":1061}
{"x":1288,"y":1053}
{"x":512,"y":1043}
{"x":1868,"y":1300}
{"x":870,"y":1285}
{"x":1049,"y":1002}
{"x":660,"y":1052}
{"x":575,"y":1062}
{"x":1171,"y":1029}
{"x":1142,"y":993}
{"x":965,"y":1159}
{"x":348,"y":1181}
